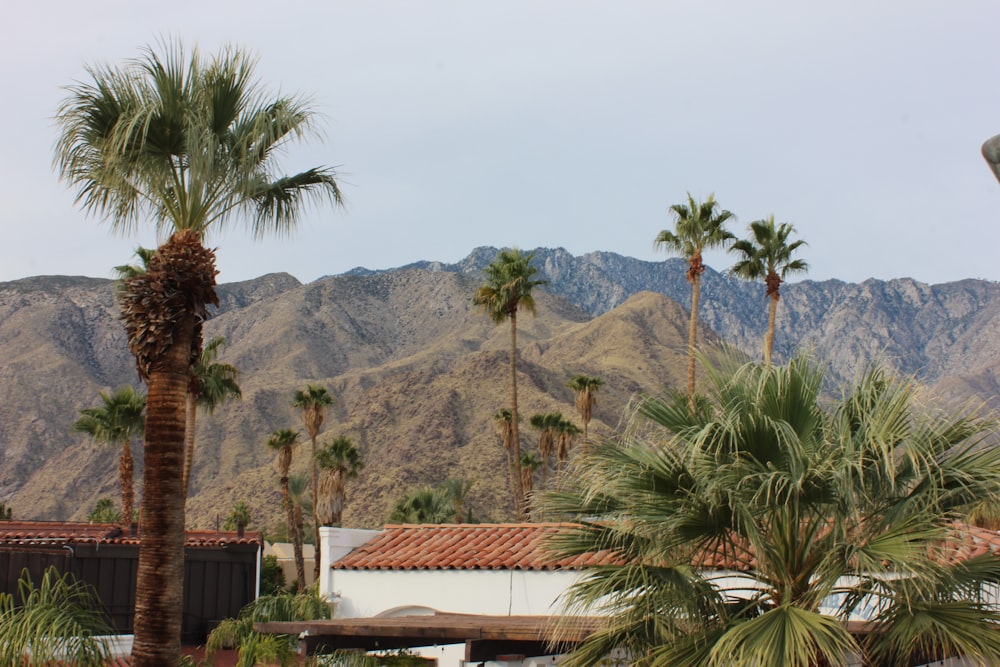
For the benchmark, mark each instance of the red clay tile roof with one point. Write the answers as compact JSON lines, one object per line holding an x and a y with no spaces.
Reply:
{"x":53,"y":532}
{"x":520,"y":547}
{"x":479,"y":546}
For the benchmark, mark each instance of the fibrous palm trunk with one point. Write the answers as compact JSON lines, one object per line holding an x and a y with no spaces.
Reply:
{"x":772,"y":311}
{"x":515,"y":436}
{"x":160,"y":577}
{"x":693,"y":337}
{"x":190,"y":424}
{"x":162,"y":310}
{"x":314,"y":491}
{"x":126,"y":477}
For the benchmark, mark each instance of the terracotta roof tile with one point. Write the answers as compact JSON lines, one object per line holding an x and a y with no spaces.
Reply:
{"x":58,"y":533}
{"x":520,"y":547}
{"x":463,"y":547}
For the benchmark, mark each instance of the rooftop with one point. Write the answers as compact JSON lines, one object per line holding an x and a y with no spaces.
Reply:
{"x":521,"y":547}
{"x":59,"y":533}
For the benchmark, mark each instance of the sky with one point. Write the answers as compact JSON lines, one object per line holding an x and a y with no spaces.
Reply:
{"x":557,"y":123}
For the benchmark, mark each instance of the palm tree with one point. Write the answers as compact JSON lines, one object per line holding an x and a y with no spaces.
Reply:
{"x":504,"y":420}
{"x":424,"y":505}
{"x":530,"y":462}
{"x":211,"y":384}
{"x":191,"y":144}
{"x":825,"y":512}
{"x":283,"y":442}
{"x":585,"y":388}
{"x":457,"y":489}
{"x":239,"y":517}
{"x":698,"y":226}
{"x":545,"y":423}
{"x":767,"y":254}
{"x":509,"y":281}
{"x":338,"y":462}
{"x":565,"y":432}
{"x":118,"y":419}
{"x":313,"y":401}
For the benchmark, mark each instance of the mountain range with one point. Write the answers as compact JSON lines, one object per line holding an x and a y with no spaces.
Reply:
{"x":417,"y":372}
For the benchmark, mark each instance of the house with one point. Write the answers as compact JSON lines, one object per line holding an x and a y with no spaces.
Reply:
{"x":221,"y":569}
{"x":482,"y":594}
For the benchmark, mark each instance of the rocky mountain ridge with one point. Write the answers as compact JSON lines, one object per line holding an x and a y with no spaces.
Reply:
{"x":417,"y":372}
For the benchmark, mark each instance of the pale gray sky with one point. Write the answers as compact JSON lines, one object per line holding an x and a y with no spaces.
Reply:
{"x":560,"y":123}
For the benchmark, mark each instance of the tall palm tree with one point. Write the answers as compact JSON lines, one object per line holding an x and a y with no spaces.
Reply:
{"x":118,"y":419}
{"x":509,"y":281}
{"x":189,"y":144}
{"x":585,"y":388}
{"x":211,"y":384}
{"x":504,"y":419}
{"x":338,"y":462}
{"x":826,"y":512}
{"x":313,"y":402}
{"x":283,"y":441}
{"x":566,"y":433}
{"x":767,"y":255}
{"x":698,"y":226}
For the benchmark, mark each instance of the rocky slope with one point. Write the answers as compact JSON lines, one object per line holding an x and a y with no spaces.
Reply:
{"x":417,"y":372}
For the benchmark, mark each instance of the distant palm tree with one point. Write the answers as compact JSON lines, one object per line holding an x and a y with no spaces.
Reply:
{"x":698,"y":226}
{"x":104,"y":512}
{"x":119,"y":418}
{"x":509,"y":281}
{"x":211,"y":384}
{"x":504,"y":420}
{"x":283,"y":441}
{"x":458,"y":490}
{"x":530,"y":462}
{"x":423,"y":505}
{"x":546,"y":424}
{"x":585,"y":388}
{"x":313,"y":402}
{"x":767,"y":254}
{"x":338,"y":462}
{"x":566,"y":432}
{"x":240,"y":516}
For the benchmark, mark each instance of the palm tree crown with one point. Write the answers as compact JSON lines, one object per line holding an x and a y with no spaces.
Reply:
{"x":698,"y":226}
{"x":824,"y":512}
{"x":585,"y":388}
{"x":767,"y":255}
{"x":509,"y":281}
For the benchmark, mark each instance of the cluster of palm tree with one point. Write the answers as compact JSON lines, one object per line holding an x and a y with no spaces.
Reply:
{"x":329,"y":469}
{"x":443,"y":503}
{"x":189,"y":144}
{"x":765,"y":255}
{"x":751,"y":530}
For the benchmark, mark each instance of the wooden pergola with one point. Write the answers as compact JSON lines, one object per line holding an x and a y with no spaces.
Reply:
{"x":485,"y":637}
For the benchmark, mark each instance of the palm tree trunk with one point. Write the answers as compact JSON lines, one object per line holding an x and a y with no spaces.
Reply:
{"x":160,"y":577}
{"x":300,"y":563}
{"x":190,"y":423}
{"x":693,"y":336}
{"x":314,"y":491}
{"x":126,"y":475}
{"x":286,"y":500}
{"x":772,"y":311}
{"x":515,"y":436}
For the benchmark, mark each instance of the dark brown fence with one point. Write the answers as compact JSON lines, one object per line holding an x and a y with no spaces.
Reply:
{"x":218,"y":580}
